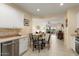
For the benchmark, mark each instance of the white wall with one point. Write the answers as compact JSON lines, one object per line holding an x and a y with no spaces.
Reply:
{"x":43,"y":21}
{"x":72,"y":26}
{"x":38,"y":22}
{"x":10,"y":17}
{"x":56,"y":23}
{"x":77,"y":20}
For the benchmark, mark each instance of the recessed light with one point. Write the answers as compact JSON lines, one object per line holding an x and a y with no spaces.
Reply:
{"x":38,"y":9}
{"x":61,"y":4}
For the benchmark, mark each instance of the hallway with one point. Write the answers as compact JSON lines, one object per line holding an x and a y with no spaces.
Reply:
{"x":57,"y":49}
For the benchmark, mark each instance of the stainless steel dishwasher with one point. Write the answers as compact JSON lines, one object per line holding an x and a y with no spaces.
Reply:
{"x":10,"y":48}
{"x":77,"y":44}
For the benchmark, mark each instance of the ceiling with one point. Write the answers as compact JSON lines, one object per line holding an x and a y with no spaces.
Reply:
{"x":46,"y":9}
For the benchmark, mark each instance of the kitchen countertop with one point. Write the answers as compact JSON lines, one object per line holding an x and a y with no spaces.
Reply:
{"x":76,"y":35}
{"x":11,"y":38}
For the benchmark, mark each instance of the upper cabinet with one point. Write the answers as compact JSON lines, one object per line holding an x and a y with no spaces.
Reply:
{"x":10,"y":17}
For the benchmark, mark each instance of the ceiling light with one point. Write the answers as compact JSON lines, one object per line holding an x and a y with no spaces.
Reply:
{"x":38,"y":9}
{"x":61,"y":4}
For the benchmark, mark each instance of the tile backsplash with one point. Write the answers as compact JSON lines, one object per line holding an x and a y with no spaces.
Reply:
{"x":8,"y":32}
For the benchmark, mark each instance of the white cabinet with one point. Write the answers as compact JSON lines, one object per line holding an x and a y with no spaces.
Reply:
{"x":23,"y":45}
{"x":73,"y":43}
{"x":10,"y":17}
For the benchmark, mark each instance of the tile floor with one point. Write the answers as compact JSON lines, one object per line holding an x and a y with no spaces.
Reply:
{"x":57,"y":49}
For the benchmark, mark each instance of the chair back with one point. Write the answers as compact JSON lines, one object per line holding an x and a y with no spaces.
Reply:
{"x":35,"y":37}
{"x":46,"y":37}
{"x":31,"y":36}
{"x":35,"y":40}
{"x":49,"y":38}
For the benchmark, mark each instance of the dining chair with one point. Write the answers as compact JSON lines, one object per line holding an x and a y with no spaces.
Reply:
{"x":46,"y":42}
{"x":31,"y":38}
{"x":36,"y":43}
{"x":49,"y":41}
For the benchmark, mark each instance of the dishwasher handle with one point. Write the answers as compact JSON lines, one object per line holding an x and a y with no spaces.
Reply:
{"x":8,"y":43}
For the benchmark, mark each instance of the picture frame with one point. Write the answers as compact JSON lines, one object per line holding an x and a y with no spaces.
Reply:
{"x":26,"y":22}
{"x":66,"y":22}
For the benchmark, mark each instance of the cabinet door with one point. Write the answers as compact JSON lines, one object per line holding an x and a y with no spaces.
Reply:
{"x":23,"y":43}
{"x":21,"y":46}
{"x":10,"y":17}
{"x":73,"y":43}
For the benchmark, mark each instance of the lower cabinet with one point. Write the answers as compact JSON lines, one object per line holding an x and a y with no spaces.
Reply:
{"x":23,"y":45}
{"x":14,"y":48}
{"x":72,"y":43}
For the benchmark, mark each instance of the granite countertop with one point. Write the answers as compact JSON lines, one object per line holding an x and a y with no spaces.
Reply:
{"x":5,"y":39}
